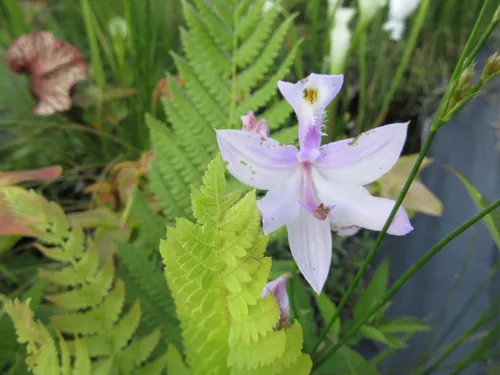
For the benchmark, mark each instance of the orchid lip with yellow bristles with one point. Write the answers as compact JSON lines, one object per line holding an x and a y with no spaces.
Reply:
{"x":315,"y":189}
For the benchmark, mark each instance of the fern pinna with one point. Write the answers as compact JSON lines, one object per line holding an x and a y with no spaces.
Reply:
{"x":232,"y":63}
{"x":216,"y":271}
{"x":88,"y":303}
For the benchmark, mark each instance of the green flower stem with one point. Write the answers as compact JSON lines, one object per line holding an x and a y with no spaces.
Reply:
{"x":468,"y":305}
{"x":488,"y":341}
{"x":437,"y":122}
{"x":378,"y":241}
{"x":406,"y":276}
{"x":463,"y":57}
{"x":362,"y":82}
{"x":405,"y":60}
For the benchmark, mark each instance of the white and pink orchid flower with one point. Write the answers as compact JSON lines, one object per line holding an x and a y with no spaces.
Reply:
{"x":277,"y":288}
{"x":316,"y":189}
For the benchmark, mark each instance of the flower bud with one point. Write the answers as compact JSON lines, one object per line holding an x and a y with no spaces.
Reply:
{"x":491,"y":68}
{"x":368,"y":9}
{"x":340,"y":40}
{"x":118,"y":27}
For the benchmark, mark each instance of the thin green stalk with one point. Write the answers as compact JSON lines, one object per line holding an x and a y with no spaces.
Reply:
{"x":468,"y":304}
{"x":379,"y":239}
{"x":405,"y":60}
{"x":456,"y":288}
{"x":437,"y":122}
{"x":314,"y":52}
{"x":481,"y":321}
{"x":491,"y":26}
{"x":464,"y":55}
{"x":362,"y":82}
{"x":17,"y":18}
{"x":488,"y":341}
{"x":96,"y":62}
{"x":406,"y":276}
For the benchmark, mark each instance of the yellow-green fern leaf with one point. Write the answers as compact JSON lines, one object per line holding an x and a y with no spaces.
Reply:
{"x":89,"y":302}
{"x":216,"y":271}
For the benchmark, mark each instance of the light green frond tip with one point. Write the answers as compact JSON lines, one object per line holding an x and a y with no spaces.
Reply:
{"x":216,"y":270}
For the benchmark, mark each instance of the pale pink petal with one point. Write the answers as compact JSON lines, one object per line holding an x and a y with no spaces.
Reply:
{"x":257,"y":161}
{"x":310,"y":241}
{"x":279,"y":206}
{"x":250,"y":124}
{"x":309,"y":98}
{"x":277,"y":288}
{"x":355,"y":206}
{"x":362,"y":160}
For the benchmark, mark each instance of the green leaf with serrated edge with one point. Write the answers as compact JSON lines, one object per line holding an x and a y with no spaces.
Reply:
{"x":216,"y":271}
{"x":156,"y":302}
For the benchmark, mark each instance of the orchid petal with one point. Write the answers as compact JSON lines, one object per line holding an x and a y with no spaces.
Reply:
{"x":279,"y":206}
{"x":277,"y":288}
{"x":310,"y":241}
{"x":310,"y":97}
{"x":309,"y":149}
{"x":343,"y":230}
{"x":256,"y":161}
{"x":362,"y":160}
{"x":355,"y":206}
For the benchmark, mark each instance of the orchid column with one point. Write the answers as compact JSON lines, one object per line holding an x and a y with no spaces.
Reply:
{"x":316,"y":189}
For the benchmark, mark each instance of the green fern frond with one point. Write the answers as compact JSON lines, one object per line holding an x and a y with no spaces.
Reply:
{"x":234,"y":57}
{"x":277,"y":114}
{"x":216,"y":271}
{"x":151,"y":225}
{"x":253,"y":75}
{"x":175,"y":364}
{"x":43,"y":354}
{"x":89,"y":299}
{"x":249,"y":12}
{"x":158,"y":306}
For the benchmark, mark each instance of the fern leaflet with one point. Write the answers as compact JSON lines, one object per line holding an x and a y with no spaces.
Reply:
{"x":216,"y":271}
{"x":218,"y":38}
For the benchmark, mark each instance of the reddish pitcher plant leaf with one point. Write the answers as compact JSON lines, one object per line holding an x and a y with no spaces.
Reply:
{"x":117,"y":190}
{"x":419,"y":198}
{"x":54,"y":66}
{"x":10,"y":224}
{"x":43,"y":174}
